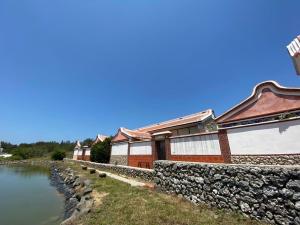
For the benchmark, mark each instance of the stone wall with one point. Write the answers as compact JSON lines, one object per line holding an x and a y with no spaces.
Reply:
{"x":269,"y":193}
{"x":77,"y":191}
{"x":119,"y":160}
{"x":141,"y":173}
{"x":267,"y":159}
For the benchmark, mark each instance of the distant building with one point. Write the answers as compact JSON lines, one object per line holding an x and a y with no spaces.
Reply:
{"x":77,"y":150}
{"x":84,"y":152}
{"x":262,"y":129}
{"x":188,"y":138}
{"x":265,"y":127}
{"x":4,"y":155}
{"x":1,"y":149}
{"x":294,"y":51}
{"x":99,"y":138}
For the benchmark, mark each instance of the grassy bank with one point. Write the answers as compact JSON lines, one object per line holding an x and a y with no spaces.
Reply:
{"x":126,"y":205}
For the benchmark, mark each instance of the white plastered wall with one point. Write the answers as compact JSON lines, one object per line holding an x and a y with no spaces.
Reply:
{"x":75,"y":154}
{"x":196,"y":145}
{"x":266,"y":139}
{"x":141,"y":148}
{"x":119,"y":149}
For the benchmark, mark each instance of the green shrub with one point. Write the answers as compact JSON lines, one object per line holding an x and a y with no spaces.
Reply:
{"x":15,"y":157}
{"x":36,"y":150}
{"x":58,"y":155}
{"x":100,"y":152}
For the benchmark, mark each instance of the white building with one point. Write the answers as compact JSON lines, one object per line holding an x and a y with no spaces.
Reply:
{"x":265,"y":127}
{"x":294,"y":51}
{"x":84,"y":152}
{"x":3,"y":155}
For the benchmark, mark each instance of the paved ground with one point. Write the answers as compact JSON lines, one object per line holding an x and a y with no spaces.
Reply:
{"x":132,"y":182}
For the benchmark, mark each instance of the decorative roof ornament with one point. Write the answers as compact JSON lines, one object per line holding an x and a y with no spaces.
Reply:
{"x":99,"y":138}
{"x":294,"y":51}
{"x":268,"y":98}
{"x":78,"y":145}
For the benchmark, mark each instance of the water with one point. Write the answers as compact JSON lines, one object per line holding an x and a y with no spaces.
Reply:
{"x":27,"y":198}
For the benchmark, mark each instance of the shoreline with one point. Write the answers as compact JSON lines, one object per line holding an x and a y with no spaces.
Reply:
{"x":76,"y":191}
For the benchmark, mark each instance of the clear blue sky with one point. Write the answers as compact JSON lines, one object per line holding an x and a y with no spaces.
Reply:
{"x":71,"y":69}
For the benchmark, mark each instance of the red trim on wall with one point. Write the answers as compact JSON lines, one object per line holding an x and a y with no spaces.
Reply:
{"x":198,"y":158}
{"x":224,"y":146}
{"x":85,"y":158}
{"x":168,"y":148}
{"x":154,"y":154}
{"x":143,"y":161}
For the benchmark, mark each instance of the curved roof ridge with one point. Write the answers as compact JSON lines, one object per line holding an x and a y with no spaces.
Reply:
{"x":134,"y":133}
{"x":176,"y":119}
{"x":255,"y":91}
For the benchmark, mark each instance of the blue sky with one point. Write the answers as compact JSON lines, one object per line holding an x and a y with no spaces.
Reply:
{"x":71,"y":69}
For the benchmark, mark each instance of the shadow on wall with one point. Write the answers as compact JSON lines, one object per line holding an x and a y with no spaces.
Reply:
{"x":283,"y":127}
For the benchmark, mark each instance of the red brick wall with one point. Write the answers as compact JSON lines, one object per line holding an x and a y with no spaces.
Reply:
{"x":140,"y":161}
{"x":85,"y":158}
{"x":198,"y":158}
{"x":224,"y":146}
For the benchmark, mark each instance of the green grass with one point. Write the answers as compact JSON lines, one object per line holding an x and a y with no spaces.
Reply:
{"x":126,"y":205}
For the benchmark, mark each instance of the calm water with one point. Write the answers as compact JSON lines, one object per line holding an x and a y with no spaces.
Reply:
{"x":27,"y":198}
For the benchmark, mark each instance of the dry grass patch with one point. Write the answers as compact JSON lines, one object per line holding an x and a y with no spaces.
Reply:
{"x":126,"y":205}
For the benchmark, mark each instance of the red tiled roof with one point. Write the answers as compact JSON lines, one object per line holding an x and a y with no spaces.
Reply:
{"x":100,"y":138}
{"x":119,"y":137}
{"x":267,"y":98}
{"x":135,"y":134}
{"x":145,"y":132}
{"x":193,"y":118}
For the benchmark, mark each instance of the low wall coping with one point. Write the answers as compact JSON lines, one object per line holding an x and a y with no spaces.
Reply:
{"x":226,"y":164}
{"x":112,"y":165}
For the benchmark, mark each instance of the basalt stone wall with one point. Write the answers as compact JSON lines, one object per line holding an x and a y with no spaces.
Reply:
{"x":141,"y":173}
{"x":119,"y":160}
{"x":77,"y":191}
{"x":269,"y":193}
{"x":267,"y":159}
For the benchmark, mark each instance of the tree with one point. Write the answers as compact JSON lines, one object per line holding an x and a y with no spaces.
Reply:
{"x":100,"y":152}
{"x":58,"y":155}
{"x":88,"y":142}
{"x":38,"y":149}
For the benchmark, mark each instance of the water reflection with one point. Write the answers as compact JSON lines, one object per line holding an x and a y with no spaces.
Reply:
{"x":26,"y":197}
{"x":27,"y":170}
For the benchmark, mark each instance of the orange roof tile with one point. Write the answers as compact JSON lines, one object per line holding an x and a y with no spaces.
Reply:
{"x":99,"y":138}
{"x":267,"y":98}
{"x":135,"y":134}
{"x":145,"y":132}
{"x":193,"y":118}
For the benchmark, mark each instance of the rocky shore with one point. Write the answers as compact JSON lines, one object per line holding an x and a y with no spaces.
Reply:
{"x":77,"y":191}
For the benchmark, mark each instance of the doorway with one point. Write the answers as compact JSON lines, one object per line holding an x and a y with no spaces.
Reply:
{"x":83,"y":153}
{"x":160,"y":150}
